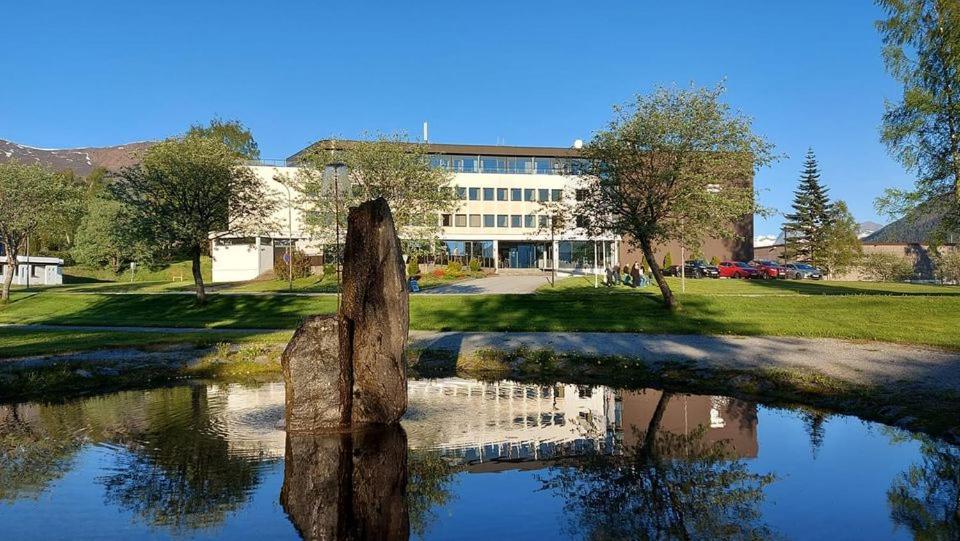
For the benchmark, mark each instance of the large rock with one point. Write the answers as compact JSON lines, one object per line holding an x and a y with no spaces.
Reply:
{"x":350,"y":370}
{"x":313,"y":377}
{"x":374,"y":315}
{"x":349,"y":486}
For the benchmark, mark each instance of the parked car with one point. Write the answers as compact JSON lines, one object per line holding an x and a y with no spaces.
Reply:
{"x":769,"y":269}
{"x":700,"y":269}
{"x":799,"y":271}
{"x":737,"y":269}
{"x":672,"y":270}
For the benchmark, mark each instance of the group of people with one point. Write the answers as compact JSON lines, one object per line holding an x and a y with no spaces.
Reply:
{"x":632,"y":276}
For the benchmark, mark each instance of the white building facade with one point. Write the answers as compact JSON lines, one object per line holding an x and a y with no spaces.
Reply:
{"x":500,"y":222}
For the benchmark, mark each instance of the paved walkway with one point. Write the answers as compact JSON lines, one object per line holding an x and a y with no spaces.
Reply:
{"x":875,"y":363}
{"x":492,"y":285}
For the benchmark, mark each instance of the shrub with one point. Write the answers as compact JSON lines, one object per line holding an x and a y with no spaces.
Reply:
{"x":667,"y":260}
{"x":886,"y":268}
{"x":454,"y":267}
{"x":301,"y":266}
{"x":948,"y":266}
{"x":714,"y":261}
{"x":413,"y":266}
{"x":438,"y":273}
{"x":329,"y":269}
{"x":475,"y":265}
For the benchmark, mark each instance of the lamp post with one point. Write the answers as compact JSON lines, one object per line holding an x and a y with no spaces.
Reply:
{"x":335,"y":172}
{"x":289,"y":239}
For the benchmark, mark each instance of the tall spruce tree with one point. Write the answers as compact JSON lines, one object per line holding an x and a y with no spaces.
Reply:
{"x":806,"y":226}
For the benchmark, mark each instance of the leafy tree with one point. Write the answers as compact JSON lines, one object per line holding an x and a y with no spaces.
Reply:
{"x":948,"y":265}
{"x":556,"y":217}
{"x":231,"y":133}
{"x":811,"y":214}
{"x":105,"y":236}
{"x":926,"y":498}
{"x":413,"y":266}
{"x":385,"y":166}
{"x":30,"y":196}
{"x":667,"y":260}
{"x":883,"y":267}
{"x":669,"y":163}
{"x":186,"y":191}
{"x":714,"y":261}
{"x":842,"y":248}
{"x":922,"y":50}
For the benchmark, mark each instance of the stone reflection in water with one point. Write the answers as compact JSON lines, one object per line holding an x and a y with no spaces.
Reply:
{"x":347,"y":486}
{"x":668,"y":484}
{"x":926,"y":497}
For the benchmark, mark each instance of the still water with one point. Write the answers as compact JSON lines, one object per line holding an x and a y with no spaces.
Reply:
{"x":474,"y":460}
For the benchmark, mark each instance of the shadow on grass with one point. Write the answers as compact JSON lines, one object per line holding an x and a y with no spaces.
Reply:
{"x":812,"y":287}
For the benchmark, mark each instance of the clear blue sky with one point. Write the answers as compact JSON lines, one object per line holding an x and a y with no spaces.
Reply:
{"x":521,"y":73}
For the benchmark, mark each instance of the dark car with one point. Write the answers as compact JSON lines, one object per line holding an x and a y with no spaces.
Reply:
{"x":672,"y":270}
{"x":799,"y":271}
{"x":700,"y":269}
{"x":769,"y":269}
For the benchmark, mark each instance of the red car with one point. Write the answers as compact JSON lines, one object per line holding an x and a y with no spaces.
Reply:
{"x":769,"y":269}
{"x":737,"y":269}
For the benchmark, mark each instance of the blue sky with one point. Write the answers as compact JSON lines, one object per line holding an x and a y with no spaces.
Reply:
{"x":533,"y":73}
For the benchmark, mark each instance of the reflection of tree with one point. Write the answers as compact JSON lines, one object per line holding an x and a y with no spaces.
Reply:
{"x":181,"y":473}
{"x":30,"y":456}
{"x":428,"y":488}
{"x":667,"y":486}
{"x":926,"y":497}
{"x":815,"y":423}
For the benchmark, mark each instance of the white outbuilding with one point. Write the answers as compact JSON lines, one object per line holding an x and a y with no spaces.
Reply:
{"x":34,"y":270}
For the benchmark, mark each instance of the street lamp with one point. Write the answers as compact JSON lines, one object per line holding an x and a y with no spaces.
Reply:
{"x":289,"y":239}
{"x":334,"y":168}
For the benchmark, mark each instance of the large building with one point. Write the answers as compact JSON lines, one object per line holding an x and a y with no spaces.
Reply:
{"x":500,"y":220}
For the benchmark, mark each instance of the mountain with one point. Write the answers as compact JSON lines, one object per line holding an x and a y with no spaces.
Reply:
{"x":80,"y":160}
{"x":865,"y":229}
{"x":916,"y":228}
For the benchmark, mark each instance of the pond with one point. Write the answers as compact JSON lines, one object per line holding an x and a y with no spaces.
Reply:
{"x":474,"y":460}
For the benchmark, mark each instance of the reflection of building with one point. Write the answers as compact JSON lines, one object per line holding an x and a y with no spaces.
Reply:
{"x":478,"y":422}
{"x":725,"y":419}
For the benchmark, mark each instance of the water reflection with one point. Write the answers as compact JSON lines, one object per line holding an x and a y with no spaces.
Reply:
{"x":602,"y":463}
{"x":347,"y":486}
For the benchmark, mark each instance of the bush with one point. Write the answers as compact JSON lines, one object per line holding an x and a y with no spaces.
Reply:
{"x":438,"y":273}
{"x":475,"y":265}
{"x":948,"y":266}
{"x":301,"y":266}
{"x":413,"y":266}
{"x":714,"y":261}
{"x":329,"y":269}
{"x":886,"y":268}
{"x":454,"y":267}
{"x":667,"y":260}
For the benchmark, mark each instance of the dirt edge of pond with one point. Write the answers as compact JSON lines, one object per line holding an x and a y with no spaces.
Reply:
{"x":902,"y":404}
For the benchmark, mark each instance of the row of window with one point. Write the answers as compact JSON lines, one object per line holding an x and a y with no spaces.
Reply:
{"x":512,"y":165}
{"x":509,"y":194}
{"x":528,"y":221}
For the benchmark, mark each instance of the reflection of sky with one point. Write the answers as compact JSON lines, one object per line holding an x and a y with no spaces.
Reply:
{"x":840,"y":495}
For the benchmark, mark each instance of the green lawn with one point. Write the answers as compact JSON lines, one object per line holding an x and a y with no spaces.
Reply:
{"x":904,"y":313}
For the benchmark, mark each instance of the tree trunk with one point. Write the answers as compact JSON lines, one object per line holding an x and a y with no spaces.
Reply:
{"x":653,"y":427}
{"x":198,"y":276}
{"x":668,"y":300}
{"x":11,"y":268}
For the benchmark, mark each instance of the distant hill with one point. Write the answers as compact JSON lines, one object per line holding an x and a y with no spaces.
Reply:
{"x":80,"y":160}
{"x":914,"y":229}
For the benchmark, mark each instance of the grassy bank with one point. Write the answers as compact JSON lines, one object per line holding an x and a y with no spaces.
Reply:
{"x":904,"y":313}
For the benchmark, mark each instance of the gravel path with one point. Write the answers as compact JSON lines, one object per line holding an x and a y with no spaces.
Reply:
{"x":493,"y":285}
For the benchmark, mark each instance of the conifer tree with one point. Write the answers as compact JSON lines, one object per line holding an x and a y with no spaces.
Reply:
{"x":808,"y":223}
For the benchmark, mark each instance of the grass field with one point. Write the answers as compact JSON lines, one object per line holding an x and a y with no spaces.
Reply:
{"x":905,"y":313}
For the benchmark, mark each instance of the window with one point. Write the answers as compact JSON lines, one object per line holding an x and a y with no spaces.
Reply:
{"x":461,"y":193}
{"x":556,"y":195}
{"x":488,"y":194}
{"x":492,"y":164}
{"x":543,"y":221}
{"x":440,"y":162}
{"x":515,"y":194}
{"x":446,"y":220}
{"x":581,"y":195}
{"x":501,"y":220}
{"x":464,"y":164}
{"x":515,"y":220}
{"x":474,"y":194}
{"x":543,"y":194}
{"x":529,"y":221}
{"x":460,"y":220}
{"x":474,"y":220}
{"x":583,"y":221}
{"x":489,"y":220}
{"x":519,"y":165}
{"x":528,"y":194}
{"x":502,"y":194}
{"x":543,"y":166}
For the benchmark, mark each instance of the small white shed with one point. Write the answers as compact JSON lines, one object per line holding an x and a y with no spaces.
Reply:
{"x":35,"y":271}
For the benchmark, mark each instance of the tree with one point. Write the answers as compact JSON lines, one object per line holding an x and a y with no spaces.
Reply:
{"x":555,"y":217}
{"x":811,"y":214}
{"x":386,"y":166}
{"x":926,"y":498}
{"x":105,"y":236}
{"x":188,"y":190}
{"x":30,"y":196}
{"x":231,"y":133}
{"x":842,"y":248}
{"x":921,"y":41}
{"x":672,"y":162}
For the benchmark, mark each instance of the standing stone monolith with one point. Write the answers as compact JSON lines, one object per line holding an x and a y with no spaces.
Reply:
{"x":374,"y":315}
{"x":349,"y":370}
